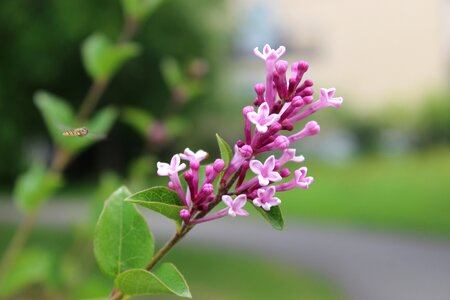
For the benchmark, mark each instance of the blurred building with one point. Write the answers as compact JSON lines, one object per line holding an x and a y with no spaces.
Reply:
{"x":374,"y":52}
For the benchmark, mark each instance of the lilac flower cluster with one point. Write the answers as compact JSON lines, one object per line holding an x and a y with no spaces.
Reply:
{"x":278,"y":106}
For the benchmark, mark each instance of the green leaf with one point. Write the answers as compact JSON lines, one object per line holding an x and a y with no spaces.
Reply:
{"x":138,"y":119}
{"x":165,"y":280}
{"x":140,"y":9}
{"x":32,"y":266}
{"x":225,"y":150}
{"x":57,"y":113}
{"x":176,"y":126}
{"x":59,"y":117}
{"x":273,"y":216}
{"x":34,"y":187}
{"x":122,"y":238}
{"x":161,"y":200}
{"x":102,"y":58}
{"x":171,"y":72}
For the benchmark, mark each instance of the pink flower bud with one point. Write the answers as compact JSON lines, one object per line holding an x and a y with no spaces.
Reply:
{"x":209,"y":170}
{"x":281,"y":143}
{"x":285,"y":173}
{"x":281,"y":67}
{"x":185,"y":215}
{"x":246,"y":151}
{"x":313,"y":128}
{"x":218,"y":165}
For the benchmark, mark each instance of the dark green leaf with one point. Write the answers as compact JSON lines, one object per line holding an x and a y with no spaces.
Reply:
{"x":122,"y":238}
{"x":138,"y":119}
{"x":31,"y":266}
{"x":35,"y":187}
{"x":225,"y":150}
{"x":140,"y":9}
{"x":165,"y":280}
{"x":273,"y":216}
{"x":102,"y":58}
{"x":161,"y":200}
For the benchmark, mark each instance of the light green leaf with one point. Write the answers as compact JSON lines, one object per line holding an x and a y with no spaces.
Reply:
{"x":171,"y":72}
{"x":165,"y":280}
{"x":102,"y":58}
{"x":31,"y":266}
{"x":161,"y":200}
{"x":273,"y":216}
{"x":58,"y":116}
{"x":138,"y":119}
{"x":34,"y":187}
{"x":225,"y":150}
{"x":176,"y":126}
{"x":140,"y":9}
{"x":122,"y":238}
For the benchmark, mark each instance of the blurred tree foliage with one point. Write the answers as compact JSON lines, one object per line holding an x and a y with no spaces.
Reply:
{"x":40,"y":49}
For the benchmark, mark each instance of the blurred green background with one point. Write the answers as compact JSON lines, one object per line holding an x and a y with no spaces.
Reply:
{"x":382,"y":161}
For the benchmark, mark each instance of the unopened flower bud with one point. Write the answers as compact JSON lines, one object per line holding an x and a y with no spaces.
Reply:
{"x":209,"y":170}
{"x":260,"y":89}
{"x":188,"y":175}
{"x":285,"y":173}
{"x":246,"y":151}
{"x":281,"y":143}
{"x":281,"y":67}
{"x":240,"y":143}
{"x":185,"y":215}
{"x":219,"y":165}
{"x":312,"y":127}
{"x":308,"y":99}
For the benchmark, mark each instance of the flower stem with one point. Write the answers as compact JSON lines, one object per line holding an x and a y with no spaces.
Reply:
{"x":117,"y":295}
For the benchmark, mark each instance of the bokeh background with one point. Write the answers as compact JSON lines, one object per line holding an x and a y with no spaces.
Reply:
{"x":374,"y":225}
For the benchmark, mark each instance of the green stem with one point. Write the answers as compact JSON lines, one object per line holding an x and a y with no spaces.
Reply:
{"x":61,"y":158}
{"x":17,"y":243}
{"x":117,"y":295}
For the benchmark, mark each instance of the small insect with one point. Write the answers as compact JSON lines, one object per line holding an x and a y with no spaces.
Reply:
{"x":80,"y":132}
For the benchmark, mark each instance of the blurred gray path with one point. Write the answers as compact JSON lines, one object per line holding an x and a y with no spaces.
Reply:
{"x":366,"y":265}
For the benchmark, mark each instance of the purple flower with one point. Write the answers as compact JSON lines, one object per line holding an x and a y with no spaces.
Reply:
{"x":191,"y":156}
{"x":311,"y":128}
{"x":289,"y":155}
{"x":326,"y":98}
{"x":265,"y":171}
{"x":269,"y":53}
{"x":235,"y":206}
{"x":266,"y":198}
{"x":262,"y":119}
{"x":300,"y":180}
{"x":165,"y":169}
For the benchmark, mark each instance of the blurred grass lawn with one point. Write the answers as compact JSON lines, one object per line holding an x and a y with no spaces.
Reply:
{"x":409,"y":192}
{"x":211,"y":274}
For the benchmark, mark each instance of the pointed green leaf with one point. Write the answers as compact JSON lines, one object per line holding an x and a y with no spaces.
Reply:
{"x":165,"y":280}
{"x":138,"y":119}
{"x":140,"y":9}
{"x":273,"y":216}
{"x":122,"y":238}
{"x":159,"y":199}
{"x":102,"y":58}
{"x":34,"y":187}
{"x":57,"y":113}
{"x":171,"y":72}
{"x":225,"y":150}
{"x":32,"y":266}
{"x":58,"y":116}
